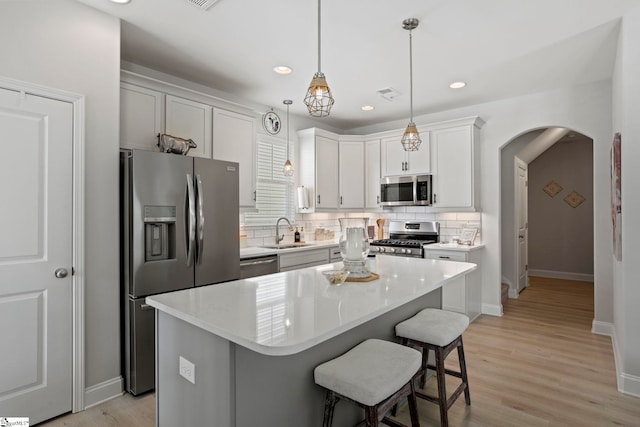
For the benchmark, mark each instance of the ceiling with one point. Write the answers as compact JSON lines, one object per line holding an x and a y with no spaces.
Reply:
{"x":500,"y":48}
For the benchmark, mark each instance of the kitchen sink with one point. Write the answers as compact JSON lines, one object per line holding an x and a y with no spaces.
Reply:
{"x":286,"y":246}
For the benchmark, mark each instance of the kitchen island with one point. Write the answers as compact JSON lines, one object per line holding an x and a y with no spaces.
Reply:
{"x":254,"y":343}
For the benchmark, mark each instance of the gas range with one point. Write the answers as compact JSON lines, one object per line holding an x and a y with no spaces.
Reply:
{"x":406,"y":238}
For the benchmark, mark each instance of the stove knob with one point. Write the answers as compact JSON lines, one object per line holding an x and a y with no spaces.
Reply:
{"x":403,"y":250}
{"x":392,"y":250}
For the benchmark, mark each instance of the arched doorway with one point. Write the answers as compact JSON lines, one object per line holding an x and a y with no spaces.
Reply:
{"x":557,"y":237}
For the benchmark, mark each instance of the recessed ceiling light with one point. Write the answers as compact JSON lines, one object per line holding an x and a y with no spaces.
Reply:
{"x":282,"y":69}
{"x":457,"y":85}
{"x":367,"y":107}
{"x":120,"y":1}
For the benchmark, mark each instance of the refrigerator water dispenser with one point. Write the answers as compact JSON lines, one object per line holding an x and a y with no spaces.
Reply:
{"x":159,"y":232}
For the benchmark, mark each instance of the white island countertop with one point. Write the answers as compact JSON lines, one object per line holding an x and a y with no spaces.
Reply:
{"x":289,"y":312}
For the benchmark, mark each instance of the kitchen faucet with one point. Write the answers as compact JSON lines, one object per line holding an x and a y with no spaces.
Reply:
{"x":278,"y":237}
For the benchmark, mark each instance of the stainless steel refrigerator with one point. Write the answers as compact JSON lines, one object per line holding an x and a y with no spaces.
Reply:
{"x":180,"y":229}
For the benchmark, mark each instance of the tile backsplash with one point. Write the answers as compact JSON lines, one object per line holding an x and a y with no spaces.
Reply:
{"x":451,"y":224}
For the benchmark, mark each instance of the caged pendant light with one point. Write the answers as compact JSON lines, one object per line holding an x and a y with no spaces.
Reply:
{"x":411,"y":139}
{"x":287,"y":170}
{"x":318,"y":98}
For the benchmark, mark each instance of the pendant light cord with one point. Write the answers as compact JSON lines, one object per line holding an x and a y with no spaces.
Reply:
{"x":287,"y":131}
{"x":319,"y":68}
{"x":411,"y":73}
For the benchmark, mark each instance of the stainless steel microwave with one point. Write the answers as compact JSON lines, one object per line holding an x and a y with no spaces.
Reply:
{"x":414,"y":190}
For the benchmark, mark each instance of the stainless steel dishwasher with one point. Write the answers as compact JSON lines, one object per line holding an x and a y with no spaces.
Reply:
{"x":258,"y":266}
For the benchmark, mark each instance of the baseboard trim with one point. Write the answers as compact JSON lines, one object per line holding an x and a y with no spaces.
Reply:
{"x":562,"y":275}
{"x":492,"y":309}
{"x":602,"y":328}
{"x":627,"y":383}
{"x":107,"y":390}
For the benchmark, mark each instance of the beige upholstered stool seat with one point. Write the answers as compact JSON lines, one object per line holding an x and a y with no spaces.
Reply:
{"x":370,"y":372}
{"x":433,"y":326}
{"x":439,"y":331}
{"x":375,"y":374}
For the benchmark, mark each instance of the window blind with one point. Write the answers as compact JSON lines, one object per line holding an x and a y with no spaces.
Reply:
{"x":274,"y":191}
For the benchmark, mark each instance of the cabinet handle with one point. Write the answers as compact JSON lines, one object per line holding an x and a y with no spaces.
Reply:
{"x":318,"y":199}
{"x":340,"y":199}
{"x":378,"y":199}
{"x":444,"y":257}
{"x":434,"y":198}
{"x":254,"y":195}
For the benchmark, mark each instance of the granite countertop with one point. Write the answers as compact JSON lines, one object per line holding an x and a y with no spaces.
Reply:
{"x":286,"y":313}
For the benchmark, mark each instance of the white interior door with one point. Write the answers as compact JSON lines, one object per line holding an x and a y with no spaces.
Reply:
{"x":521,"y":224}
{"x":35,"y":243}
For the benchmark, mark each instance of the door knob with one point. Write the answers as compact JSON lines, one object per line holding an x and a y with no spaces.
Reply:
{"x":61,"y":273}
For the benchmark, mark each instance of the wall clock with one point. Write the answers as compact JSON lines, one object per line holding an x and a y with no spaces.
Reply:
{"x":271,"y":122}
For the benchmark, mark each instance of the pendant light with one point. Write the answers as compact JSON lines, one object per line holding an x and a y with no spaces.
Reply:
{"x":287,"y":170}
{"x":411,"y":138}
{"x":318,"y":98}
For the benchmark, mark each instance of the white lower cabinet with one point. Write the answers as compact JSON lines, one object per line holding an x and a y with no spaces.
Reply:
{"x":464,"y":294}
{"x":302,"y":259}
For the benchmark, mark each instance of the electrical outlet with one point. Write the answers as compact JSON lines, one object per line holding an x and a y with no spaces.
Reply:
{"x":187,"y":370}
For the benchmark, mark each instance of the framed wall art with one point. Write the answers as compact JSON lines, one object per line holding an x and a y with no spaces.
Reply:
{"x":468,"y":236}
{"x":616,"y":193}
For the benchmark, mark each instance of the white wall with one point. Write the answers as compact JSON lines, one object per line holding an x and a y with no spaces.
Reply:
{"x":560,"y":236}
{"x":65,"y":45}
{"x":626,"y":109}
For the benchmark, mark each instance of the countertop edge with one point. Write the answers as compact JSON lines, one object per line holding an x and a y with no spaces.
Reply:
{"x":299,"y":347}
{"x":452,"y":247}
{"x":256,"y":251}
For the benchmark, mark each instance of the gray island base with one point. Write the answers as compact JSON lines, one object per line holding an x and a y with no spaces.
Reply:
{"x":254,"y":343}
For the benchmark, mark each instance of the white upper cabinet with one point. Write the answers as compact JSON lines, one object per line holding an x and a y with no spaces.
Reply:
{"x":234,"y":140}
{"x":395,"y":161}
{"x":141,"y":117}
{"x":351,"y":173}
{"x":189,"y":119}
{"x":326,"y":173}
{"x":372,"y":174}
{"x":456,"y":167}
{"x":318,"y":171}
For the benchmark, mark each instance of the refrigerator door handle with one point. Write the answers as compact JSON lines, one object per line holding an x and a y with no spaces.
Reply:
{"x":200,"y":248}
{"x":190,"y":229}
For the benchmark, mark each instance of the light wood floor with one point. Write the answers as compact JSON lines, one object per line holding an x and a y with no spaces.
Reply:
{"x":538,"y":365}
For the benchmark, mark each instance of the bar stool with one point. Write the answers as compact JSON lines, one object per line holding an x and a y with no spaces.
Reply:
{"x":440,"y":331}
{"x":374,"y":375}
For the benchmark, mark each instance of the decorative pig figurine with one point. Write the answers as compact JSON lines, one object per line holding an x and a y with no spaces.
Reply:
{"x":173,"y":144}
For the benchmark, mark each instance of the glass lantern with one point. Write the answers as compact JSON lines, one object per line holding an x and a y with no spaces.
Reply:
{"x":354,"y":246}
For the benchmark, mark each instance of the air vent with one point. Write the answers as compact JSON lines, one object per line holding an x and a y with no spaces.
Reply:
{"x":203,"y":4}
{"x":388,"y":93}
